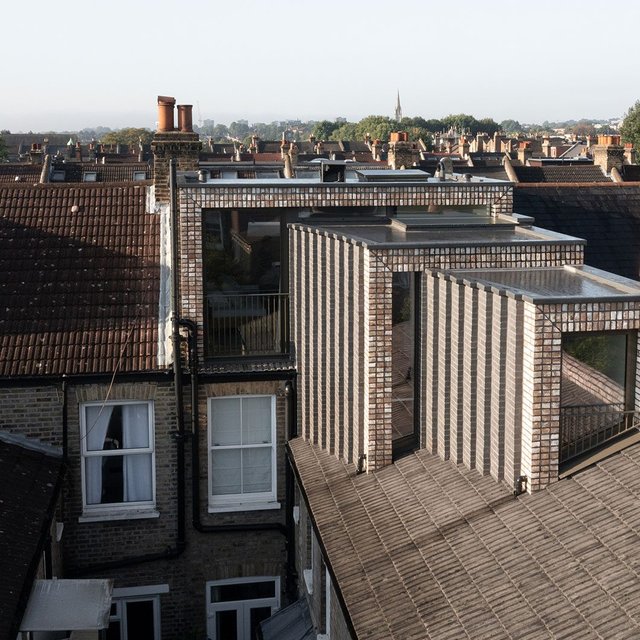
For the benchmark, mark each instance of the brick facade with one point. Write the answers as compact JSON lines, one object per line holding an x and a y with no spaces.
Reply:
{"x":36,"y":411}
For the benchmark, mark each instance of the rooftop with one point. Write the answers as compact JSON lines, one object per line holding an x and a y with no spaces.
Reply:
{"x":29,"y":486}
{"x":449,"y":229}
{"x":425,"y":549}
{"x":606,"y":215}
{"x":79,"y":280}
{"x":566,"y":284}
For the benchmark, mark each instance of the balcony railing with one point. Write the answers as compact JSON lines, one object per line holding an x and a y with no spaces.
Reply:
{"x":583,"y":428}
{"x":247,"y":324}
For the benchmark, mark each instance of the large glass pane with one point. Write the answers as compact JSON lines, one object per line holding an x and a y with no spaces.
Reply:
{"x":244,"y":264}
{"x":140,"y":620}
{"x":138,"y":480}
{"x":104,"y":479}
{"x":225,"y":472}
{"x":135,"y":426}
{"x":256,"y":420}
{"x":256,"y":470}
{"x":593,"y":393}
{"x":403,"y":355}
{"x":227,"y":625}
{"x":593,"y":369}
{"x":225,"y":419}
{"x":241,"y":251}
{"x":243,"y":591}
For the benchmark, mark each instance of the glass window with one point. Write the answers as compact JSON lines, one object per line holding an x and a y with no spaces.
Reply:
{"x":134,"y":619}
{"x":117,"y":454}
{"x":242,"y":451}
{"x":404,"y":360}
{"x":236,"y":607}
{"x":594,"y":394}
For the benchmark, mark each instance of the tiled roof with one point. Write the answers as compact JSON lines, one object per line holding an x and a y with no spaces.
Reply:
{"x":29,"y":173}
{"x":557,"y":173}
{"x":425,"y":549}
{"x":118,"y":172}
{"x":29,"y":486}
{"x":79,"y":291}
{"x":607,"y":216}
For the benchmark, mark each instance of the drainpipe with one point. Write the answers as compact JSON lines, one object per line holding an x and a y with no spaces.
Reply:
{"x":65,"y":422}
{"x":180,"y":435}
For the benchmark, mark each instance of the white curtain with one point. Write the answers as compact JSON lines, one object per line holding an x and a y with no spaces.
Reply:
{"x":137,"y":467}
{"x":96,"y":425}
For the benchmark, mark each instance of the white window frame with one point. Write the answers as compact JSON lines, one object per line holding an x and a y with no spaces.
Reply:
{"x":117,"y":510}
{"x":243,"y":501}
{"x":137,"y":594}
{"x":90,"y":176}
{"x":213,"y":607}
{"x":139,"y":175}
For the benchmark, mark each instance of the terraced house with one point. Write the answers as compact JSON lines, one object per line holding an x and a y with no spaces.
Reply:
{"x":353,"y":403}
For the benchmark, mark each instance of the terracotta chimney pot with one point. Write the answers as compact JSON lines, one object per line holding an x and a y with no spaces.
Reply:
{"x":185,"y":118}
{"x":165,"y":113}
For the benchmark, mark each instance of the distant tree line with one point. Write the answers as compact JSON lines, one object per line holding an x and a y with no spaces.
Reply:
{"x":376,"y":127}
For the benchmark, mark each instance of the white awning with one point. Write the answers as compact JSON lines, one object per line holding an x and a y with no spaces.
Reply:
{"x":68,"y":605}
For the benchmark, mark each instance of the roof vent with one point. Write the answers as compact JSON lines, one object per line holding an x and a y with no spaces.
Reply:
{"x":75,"y":208}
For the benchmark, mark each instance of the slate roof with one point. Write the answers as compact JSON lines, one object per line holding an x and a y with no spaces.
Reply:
{"x":607,"y":216}
{"x":29,"y":487}
{"x":425,"y":549}
{"x":117,"y":172}
{"x":79,"y":291}
{"x":558,"y":173}
{"x":29,"y":173}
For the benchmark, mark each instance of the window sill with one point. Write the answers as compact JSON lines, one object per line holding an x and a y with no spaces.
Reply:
{"x":307,"y":574}
{"x":246,"y":506}
{"x":322,"y":636}
{"x":116,"y":514}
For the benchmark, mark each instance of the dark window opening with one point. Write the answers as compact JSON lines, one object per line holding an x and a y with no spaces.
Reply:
{"x":405,"y":362}
{"x":245,"y":264}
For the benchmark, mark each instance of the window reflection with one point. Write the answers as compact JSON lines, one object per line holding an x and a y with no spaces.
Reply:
{"x":403,"y":360}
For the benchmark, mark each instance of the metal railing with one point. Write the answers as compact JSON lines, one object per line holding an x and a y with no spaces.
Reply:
{"x":583,"y":428}
{"x":247,"y":324}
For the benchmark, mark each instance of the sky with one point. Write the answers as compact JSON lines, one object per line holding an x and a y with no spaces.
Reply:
{"x":71,"y":64}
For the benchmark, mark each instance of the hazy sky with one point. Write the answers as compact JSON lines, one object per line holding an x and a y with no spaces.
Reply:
{"x":71,"y":64}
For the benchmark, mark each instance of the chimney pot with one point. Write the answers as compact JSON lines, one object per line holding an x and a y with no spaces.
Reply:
{"x":185,"y":118}
{"x":165,"y":113}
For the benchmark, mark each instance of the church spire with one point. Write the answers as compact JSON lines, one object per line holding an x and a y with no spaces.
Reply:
{"x":398,"y":108}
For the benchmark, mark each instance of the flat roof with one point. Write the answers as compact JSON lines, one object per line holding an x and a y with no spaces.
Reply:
{"x":559,"y":284}
{"x":445,"y":231}
{"x":386,"y":177}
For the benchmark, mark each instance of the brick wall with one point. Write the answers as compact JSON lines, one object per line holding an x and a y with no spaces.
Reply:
{"x":37,"y":412}
{"x":34,"y":411}
{"x":471,"y":382}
